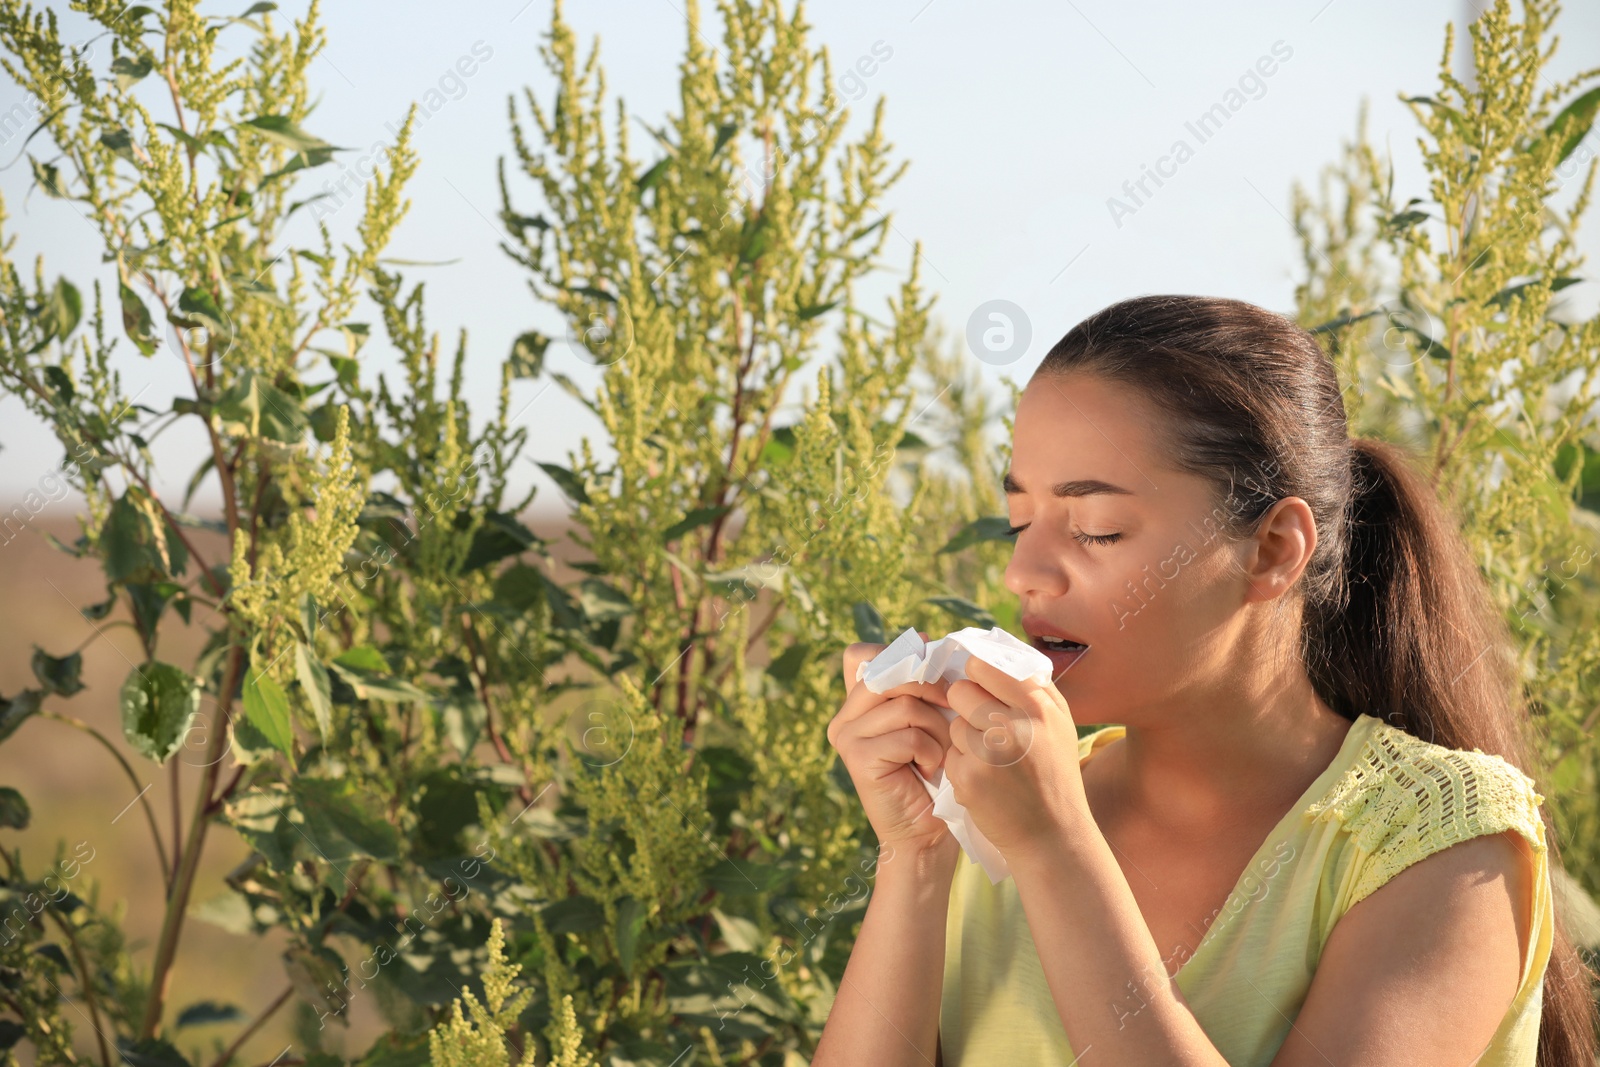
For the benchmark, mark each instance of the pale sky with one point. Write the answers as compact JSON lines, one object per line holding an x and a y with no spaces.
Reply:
{"x":1020,"y":120}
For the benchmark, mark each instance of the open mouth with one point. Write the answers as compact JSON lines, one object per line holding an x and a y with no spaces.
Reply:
{"x":1057,"y":644}
{"x":1063,"y":654}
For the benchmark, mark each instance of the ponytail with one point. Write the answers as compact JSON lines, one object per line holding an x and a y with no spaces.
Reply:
{"x":1419,"y":641}
{"x":1398,"y":622}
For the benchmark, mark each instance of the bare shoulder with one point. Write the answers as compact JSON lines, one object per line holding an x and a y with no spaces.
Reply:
{"x":1423,"y":969}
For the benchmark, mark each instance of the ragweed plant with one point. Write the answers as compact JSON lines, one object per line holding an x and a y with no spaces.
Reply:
{"x":1443,"y":313}
{"x":363,"y":645}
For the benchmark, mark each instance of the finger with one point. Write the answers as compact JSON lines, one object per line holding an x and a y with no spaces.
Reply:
{"x":895,"y":713}
{"x":996,"y":684}
{"x":999,"y":735}
{"x":860,"y":699}
{"x":898,"y":714}
{"x":884,"y":755}
{"x":855,"y":655}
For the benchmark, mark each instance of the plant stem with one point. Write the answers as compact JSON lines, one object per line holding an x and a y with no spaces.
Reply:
{"x":86,"y":985}
{"x":189,"y":865}
{"x":177,"y":816}
{"x":149,"y":812}
{"x":249,"y":1031}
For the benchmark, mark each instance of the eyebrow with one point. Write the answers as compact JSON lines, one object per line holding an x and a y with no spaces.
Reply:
{"x":1077,"y":487}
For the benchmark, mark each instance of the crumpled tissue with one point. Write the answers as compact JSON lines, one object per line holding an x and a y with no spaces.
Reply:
{"x":909,"y":659}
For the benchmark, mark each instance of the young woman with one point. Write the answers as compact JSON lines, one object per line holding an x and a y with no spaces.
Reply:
{"x":1308,"y":840}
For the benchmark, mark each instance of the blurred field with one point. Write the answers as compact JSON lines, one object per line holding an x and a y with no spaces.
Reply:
{"x":79,"y":794}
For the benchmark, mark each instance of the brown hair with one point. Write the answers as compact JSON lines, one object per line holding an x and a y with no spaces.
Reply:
{"x":1396,"y":620}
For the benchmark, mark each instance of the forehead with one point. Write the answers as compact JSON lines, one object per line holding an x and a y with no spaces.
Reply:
{"x":1078,"y":426}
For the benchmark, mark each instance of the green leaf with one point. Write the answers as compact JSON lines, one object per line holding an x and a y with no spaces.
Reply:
{"x":601,"y":601}
{"x":314,"y":157}
{"x":120,"y":142}
{"x":1449,"y":113}
{"x":61,"y":382}
{"x":267,"y":708}
{"x":754,"y":239}
{"x":527,"y":354}
{"x":362,"y":658}
{"x":518,"y":223}
{"x":1572,"y":125}
{"x":653,"y":176}
{"x":964,"y":610}
{"x":64,"y":310}
{"x":499,"y":535}
{"x":150,"y":1052}
{"x":631,"y":916}
{"x":14,"y":810}
{"x":279,"y":128}
{"x":780,"y":447}
{"x":257,"y":408}
{"x":519,"y":587}
{"x":136,"y":321}
{"x":200,"y":309}
{"x":259,"y":8}
{"x":1343,"y":321}
{"x":365,"y":670}
{"x":159,"y":702}
{"x":1515,"y":292}
{"x":49,"y":179}
{"x":786,"y":667}
{"x":591,"y":291}
{"x":17,"y":710}
{"x":131,"y":546}
{"x":207,"y":1011}
{"x":256,"y":290}
{"x":60,"y":676}
{"x":568,"y":482}
{"x":725,"y":134}
{"x":464,"y":717}
{"x":811,"y":311}
{"x":313,"y":678}
{"x":573,"y":915}
{"x":131,"y":69}
{"x":869,"y":624}
{"x":991,"y":528}
{"x":695,"y":519}
{"x":745,"y":876}
{"x":345,"y":819}
{"x":1403,"y":220}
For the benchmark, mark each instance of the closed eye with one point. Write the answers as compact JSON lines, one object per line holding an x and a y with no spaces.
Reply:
{"x":1083,"y":538}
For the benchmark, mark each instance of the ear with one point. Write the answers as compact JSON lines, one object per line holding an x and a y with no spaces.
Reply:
{"x":1281,"y":548}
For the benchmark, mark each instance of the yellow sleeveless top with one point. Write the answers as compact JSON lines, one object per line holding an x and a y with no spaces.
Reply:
{"x":1387,"y":800}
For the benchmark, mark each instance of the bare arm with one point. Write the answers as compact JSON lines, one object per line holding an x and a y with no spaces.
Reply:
{"x":1422,"y":971}
{"x":1105,"y":973}
{"x":887,"y":1008}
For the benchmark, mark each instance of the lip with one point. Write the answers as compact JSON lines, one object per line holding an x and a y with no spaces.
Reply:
{"x":1037,"y":626}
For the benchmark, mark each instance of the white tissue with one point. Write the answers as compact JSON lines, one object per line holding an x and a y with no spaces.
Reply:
{"x":909,"y":659}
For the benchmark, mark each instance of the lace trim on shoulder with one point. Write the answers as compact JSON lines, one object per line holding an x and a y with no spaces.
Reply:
{"x":1405,"y":799}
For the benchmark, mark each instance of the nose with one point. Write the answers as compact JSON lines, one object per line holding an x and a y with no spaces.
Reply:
{"x":1034,"y":571}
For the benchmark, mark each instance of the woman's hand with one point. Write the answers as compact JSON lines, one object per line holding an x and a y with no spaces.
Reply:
{"x":879,"y":736}
{"x":1013,"y":759}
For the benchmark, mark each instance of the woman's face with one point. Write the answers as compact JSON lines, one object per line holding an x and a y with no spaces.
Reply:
{"x":1119,"y":551}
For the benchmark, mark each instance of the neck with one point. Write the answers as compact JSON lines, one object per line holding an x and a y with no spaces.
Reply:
{"x":1228,"y":753}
